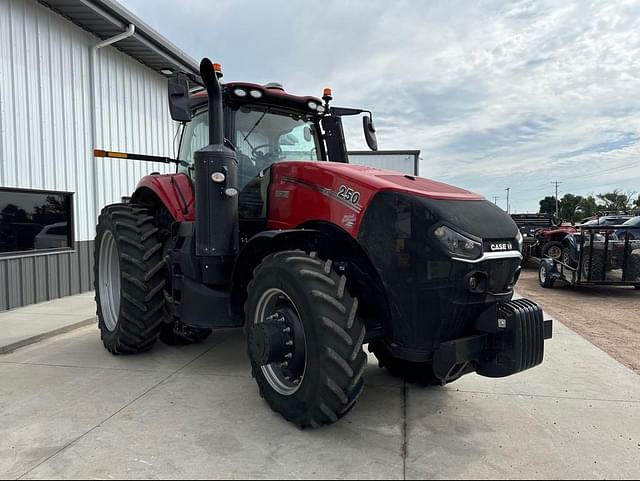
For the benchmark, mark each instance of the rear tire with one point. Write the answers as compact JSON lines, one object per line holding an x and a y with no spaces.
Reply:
{"x":633,"y":268}
{"x":413,"y":372}
{"x":544,"y":276}
{"x":130,"y":275}
{"x":597,"y":267}
{"x":317,"y":302}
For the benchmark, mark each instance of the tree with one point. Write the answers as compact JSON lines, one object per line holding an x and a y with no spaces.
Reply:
{"x":13,"y":213}
{"x":588,"y":207}
{"x":637,"y":203}
{"x":548,"y":205}
{"x":616,"y":200}
{"x":568,"y":207}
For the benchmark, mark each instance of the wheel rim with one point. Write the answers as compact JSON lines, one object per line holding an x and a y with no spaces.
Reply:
{"x":285,"y":378}
{"x":543,"y":274}
{"x":109,"y":280}
{"x":554,"y":252}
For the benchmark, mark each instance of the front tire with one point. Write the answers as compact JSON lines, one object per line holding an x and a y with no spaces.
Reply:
{"x":130,"y":275}
{"x":309,"y":365}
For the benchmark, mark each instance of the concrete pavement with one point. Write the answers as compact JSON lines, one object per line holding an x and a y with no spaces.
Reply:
{"x":31,"y":324}
{"x":68,"y":409}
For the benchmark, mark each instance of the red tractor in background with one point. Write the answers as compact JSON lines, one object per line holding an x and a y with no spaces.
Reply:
{"x":314,"y":259}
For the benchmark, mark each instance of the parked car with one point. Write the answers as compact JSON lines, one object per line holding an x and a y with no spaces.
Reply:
{"x":633,"y":233}
{"x":53,"y":236}
{"x":608,"y":220}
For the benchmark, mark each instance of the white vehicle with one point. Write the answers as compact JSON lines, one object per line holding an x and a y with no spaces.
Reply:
{"x":54,"y":236}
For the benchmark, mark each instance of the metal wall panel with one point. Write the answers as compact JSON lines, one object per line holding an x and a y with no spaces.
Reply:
{"x":38,"y":278}
{"x":46,"y":135}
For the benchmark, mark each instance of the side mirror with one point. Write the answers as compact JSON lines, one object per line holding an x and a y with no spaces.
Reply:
{"x":370,"y":133}
{"x":179,"y":99}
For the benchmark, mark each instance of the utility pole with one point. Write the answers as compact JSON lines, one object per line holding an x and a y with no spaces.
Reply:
{"x":556,"y":183}
{"x":495,"y":199}
{"x":508,"y":189}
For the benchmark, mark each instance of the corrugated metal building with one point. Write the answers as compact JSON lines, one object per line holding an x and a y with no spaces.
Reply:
{"x":65,"y":89}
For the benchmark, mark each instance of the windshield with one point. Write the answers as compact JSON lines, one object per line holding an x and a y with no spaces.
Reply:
{"x":260,"y":136}
{"x":635,"y":221}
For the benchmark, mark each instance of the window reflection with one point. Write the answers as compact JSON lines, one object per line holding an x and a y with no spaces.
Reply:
{"x":34,"y":221}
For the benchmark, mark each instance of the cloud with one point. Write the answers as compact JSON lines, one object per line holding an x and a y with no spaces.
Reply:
{"x":495,"y":93}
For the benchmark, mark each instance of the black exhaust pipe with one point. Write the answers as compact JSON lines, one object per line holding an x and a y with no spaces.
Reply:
{"x":216,"y":189}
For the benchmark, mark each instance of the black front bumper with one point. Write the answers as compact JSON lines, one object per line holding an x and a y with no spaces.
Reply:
{"x":512,"y":342}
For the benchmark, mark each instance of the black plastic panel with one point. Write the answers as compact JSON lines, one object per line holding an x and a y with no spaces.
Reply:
{"x":428,"y":294}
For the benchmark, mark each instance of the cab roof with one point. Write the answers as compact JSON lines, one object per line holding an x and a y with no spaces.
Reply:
{"x":270,"y":95}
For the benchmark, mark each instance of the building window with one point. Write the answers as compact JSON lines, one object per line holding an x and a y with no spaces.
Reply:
{"x":32,"y":220}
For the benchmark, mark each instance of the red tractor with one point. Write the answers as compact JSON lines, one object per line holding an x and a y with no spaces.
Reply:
{"x":257,"y":229}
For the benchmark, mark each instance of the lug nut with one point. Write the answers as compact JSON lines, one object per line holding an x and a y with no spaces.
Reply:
{"x":288,"y":356}
{"x":289,"y":343}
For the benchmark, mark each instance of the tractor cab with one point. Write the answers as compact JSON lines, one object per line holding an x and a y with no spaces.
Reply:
{"x":263,"y":125}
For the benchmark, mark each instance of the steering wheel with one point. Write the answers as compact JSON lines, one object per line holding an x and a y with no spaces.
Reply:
{"x":264,"y":159}
{"x":256,"y":151}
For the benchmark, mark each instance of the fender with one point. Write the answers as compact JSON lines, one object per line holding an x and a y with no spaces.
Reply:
{"x":175,"y":191}
{"x":254,"y":251}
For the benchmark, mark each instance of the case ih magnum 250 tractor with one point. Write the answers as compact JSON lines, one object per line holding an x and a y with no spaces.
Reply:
{"x":314,"y":258}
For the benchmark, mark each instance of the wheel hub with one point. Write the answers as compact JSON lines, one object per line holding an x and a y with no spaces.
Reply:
{"x":271,"y":340}
{"x":277,"y":342}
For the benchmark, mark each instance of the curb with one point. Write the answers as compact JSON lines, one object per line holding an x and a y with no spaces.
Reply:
{"x":9,"y":348}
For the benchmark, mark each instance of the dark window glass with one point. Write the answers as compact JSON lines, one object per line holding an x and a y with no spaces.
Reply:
{"x":32,"y":220}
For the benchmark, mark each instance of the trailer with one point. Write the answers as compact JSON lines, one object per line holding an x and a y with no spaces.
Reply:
{"x":593,"y":256}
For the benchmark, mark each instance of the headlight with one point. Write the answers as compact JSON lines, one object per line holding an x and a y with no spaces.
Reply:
{"x":520,"y":240}
{"x":312,"y":105}
{"x":458,"y":245}
{"x":256,"y":94}
{"x":240,"y":93}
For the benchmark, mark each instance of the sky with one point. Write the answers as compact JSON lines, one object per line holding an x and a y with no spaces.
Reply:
{"x":495,"y":94}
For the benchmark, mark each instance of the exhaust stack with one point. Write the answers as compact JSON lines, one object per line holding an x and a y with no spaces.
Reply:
{"x":216,"y":172}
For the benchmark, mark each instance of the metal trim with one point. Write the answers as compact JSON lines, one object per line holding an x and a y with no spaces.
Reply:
{"x":489,"y":256}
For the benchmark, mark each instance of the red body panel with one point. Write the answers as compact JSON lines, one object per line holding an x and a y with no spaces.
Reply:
{"x":302,"y":192}
{"x":169,"y":188}
{"x":556,"y":233}
{"x":308,"y":191}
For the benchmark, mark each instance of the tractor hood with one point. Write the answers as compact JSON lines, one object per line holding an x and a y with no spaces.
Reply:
{"x":386,"y":180}
{"x":303,"y":192}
